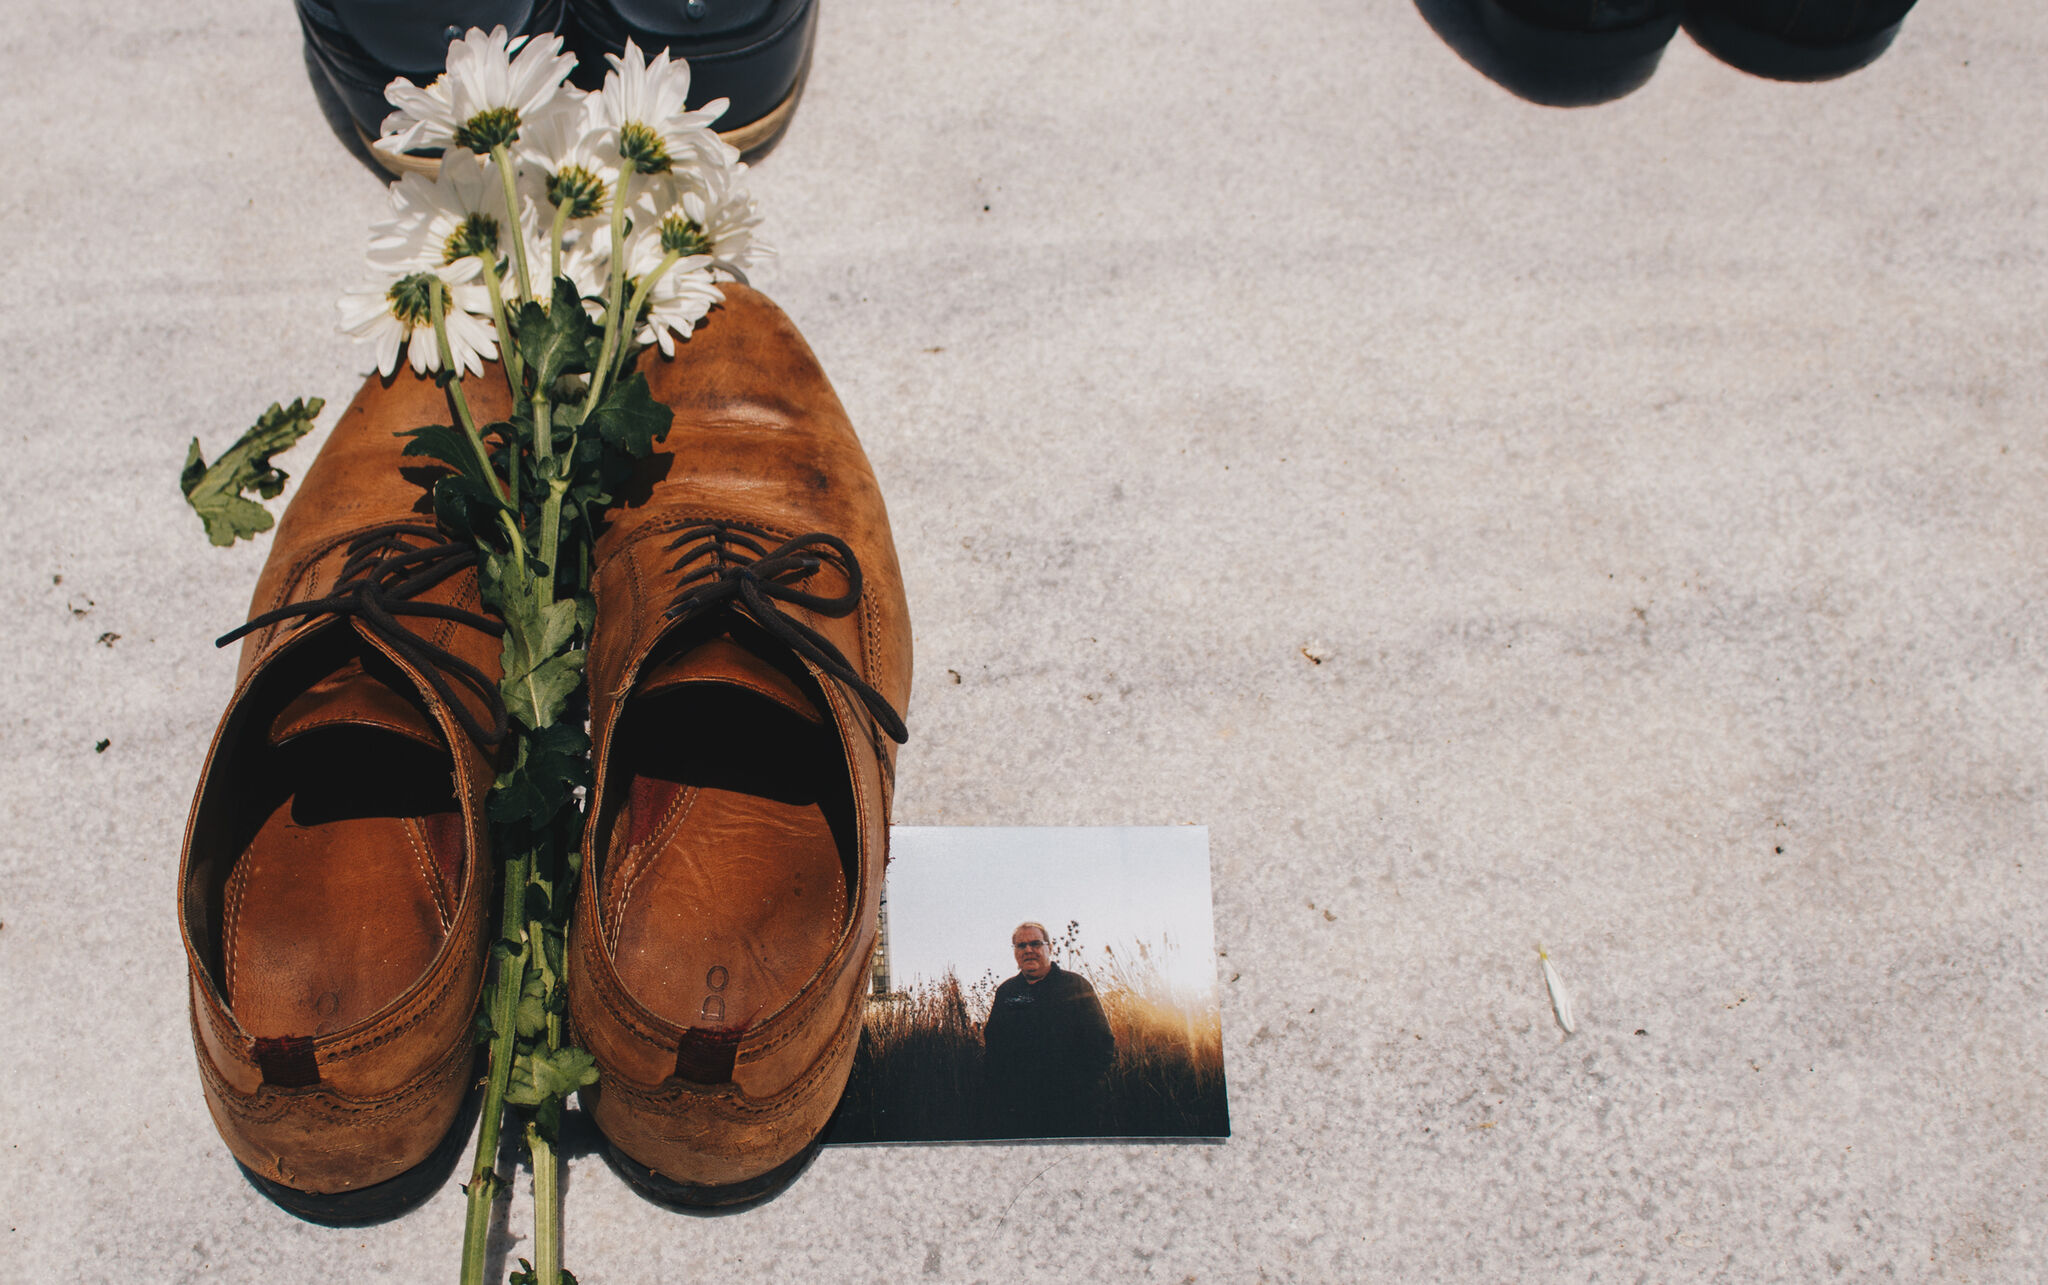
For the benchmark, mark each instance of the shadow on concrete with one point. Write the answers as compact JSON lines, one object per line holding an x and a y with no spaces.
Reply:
{"x":1775,"y":59}
{"x":1458,"y":24}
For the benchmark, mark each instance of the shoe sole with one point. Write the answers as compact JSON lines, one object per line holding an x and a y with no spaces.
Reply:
{"x":385,"y":1200}
{"x":1552,"y":47}
{"x":754,"y":139}
{"x":697,"y":1197}
{"x":1776,"y":58}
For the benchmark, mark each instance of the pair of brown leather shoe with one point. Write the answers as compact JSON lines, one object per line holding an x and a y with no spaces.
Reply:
{"x":750,"y":655}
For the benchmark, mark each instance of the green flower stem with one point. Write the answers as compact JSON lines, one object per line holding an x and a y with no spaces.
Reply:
{"x":515,"y":369}
{"x":503,"y":156}
{"x":547,"y":1207}
{"x":551,"y":508}
{"x":614,"y":295}
{"x":551,"y":534}
{"x":512,"y":474}
{"x":503,"y":1004}
{"x":555,"y":241}
{"x":438,"y":306}
{"x":646,"y":287}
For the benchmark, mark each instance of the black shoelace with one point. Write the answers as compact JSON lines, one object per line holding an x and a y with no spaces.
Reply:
{"x":730,"y":562}
{"x":387,"y":568}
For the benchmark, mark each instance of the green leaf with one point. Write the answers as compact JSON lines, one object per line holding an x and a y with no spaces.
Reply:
{"x":540,"y":1075}
{"x":465,"y":508}
{"x":544,"y":691}
{"x":531,"y":1017}
{"x":629,"y":419}
{"x":548,"y":765}
{"x":520,"y":427}
{"x":589,"y":489}
{"x":491,"y":575}
{"x":540,"y":674}
{"x":446,"y":445}
{"x":554,"y":339}
{"x":215,"y":491}
{"x":554,"y":951}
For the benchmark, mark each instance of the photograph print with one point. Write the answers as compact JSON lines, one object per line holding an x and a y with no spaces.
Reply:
{"x":1041,"y":983}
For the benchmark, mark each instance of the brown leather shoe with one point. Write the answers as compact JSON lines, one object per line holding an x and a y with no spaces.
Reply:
{"x":335,"y":887}
{"x":750,"y":655}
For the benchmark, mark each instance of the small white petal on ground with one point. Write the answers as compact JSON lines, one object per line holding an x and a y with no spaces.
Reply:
{"x":1560,"y":998}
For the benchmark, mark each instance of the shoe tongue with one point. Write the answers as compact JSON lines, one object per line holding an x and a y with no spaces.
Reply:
{"x":351,"y":697}
{"x":721,"y":660}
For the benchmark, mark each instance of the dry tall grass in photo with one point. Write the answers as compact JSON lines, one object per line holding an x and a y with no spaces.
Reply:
{"x":919,"y":1074}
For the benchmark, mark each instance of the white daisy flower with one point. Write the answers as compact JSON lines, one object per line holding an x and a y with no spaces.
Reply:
{"x":397,"y":315}
{"x":645,"y":117}
{"x":680,"y":297}
{"x":677,"y":303}
{"x":440,"y":220}
{"x":567,"y":157}
{"x":492,"y":88}
{"x":705,"y":211}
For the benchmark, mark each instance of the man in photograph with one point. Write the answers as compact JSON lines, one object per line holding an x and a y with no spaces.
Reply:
{"x":1047,"y":1046}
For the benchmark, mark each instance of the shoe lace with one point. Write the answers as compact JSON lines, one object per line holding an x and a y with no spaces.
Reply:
{"x":388,"y":567}
{"x":730,"y":562}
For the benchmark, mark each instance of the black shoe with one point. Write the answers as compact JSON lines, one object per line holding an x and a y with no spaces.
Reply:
{"x":1795,"y":39}
{"x":363,"y":45}
{"x":753,"y":52}
{"x":1580,"y":35}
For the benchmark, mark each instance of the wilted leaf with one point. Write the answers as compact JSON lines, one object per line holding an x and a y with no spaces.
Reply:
{"x":215,"y":491}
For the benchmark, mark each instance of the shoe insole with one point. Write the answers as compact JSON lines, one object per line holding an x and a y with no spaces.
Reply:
{"x":727,"y":889}
{"x":345,"y":894}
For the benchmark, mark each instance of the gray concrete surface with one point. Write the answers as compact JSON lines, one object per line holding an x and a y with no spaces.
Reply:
{"x":1615,"y":526}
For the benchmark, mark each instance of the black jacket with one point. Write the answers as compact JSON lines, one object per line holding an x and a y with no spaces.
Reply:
{"x":1047,"y":1047}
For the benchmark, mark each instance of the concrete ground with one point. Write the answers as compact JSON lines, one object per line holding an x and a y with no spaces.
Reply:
{"x":1501,"y":517}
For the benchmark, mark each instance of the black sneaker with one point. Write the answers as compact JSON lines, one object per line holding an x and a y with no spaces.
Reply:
{"x":1796,"y":39}
{"x":753,"y":52}
{"x":1580,"y":35}
{"x":363,"y":45}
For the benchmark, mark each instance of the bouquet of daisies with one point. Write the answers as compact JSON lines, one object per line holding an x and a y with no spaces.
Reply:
{"x":562,"y":234}
{"x":623,"y":190}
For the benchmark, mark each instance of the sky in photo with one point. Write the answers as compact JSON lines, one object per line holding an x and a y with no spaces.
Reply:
{"x":955,"y":894}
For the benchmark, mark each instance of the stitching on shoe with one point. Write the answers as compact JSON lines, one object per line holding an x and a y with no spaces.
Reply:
{"x":238,"y":883}
{"x":425,"y":1008}
{"x":870,"y":645}
{"x":639,"y":860}
{"x":731,"y":1100}
{"x":800,"y":1016}
{"x":226,"y":1033}
{"x":269,"y":1104}
{"x":430,"y":875}
{"x":306,"y":570}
